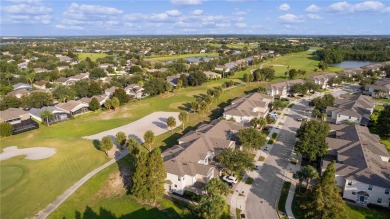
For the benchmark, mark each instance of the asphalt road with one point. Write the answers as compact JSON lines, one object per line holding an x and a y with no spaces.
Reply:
{"x":266,"y":189}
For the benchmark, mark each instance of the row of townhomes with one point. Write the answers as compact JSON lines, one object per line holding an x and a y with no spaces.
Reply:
{"x":190,"y":164}
{"x":245,"y":108}
{"x":381,"y":88}
{"x":355,"y":108}
{"x":362,"y":167}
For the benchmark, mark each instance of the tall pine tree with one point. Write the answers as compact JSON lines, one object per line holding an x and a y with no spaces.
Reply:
{"x":149,"y":176}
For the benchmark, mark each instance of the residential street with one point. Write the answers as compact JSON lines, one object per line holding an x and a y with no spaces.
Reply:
{"x":266,"y":189}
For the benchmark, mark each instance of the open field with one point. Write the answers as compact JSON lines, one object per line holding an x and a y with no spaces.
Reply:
{"x":174,"y":57}
{"x":234,"y":46}
{"x":82,"y":56}
{"x":76,"y":157}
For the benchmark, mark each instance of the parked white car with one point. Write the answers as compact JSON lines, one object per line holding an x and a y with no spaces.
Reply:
{"x":230,"y":179}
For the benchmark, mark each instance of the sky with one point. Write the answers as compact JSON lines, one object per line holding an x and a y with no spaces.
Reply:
{"x":171,"y":17}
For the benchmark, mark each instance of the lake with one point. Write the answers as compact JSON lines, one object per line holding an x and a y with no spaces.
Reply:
{"x":352,"y":64}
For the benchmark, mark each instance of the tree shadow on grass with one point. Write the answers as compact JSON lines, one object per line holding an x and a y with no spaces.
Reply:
{"x":141,"y":213}
{"x":96,"y":144}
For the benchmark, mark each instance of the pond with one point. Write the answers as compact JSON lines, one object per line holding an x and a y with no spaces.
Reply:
{"x":352,"y":64}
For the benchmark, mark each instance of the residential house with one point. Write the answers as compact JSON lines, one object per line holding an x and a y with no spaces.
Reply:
{"x":40,"y":84}
{"x":190,"y":164}
{"x":22,"y":86}
{"x":73,"y":107}
{"x":61,"y":68}
{"x":322,"y":79}
{"x":64,"y":58}
{"x":23,"y":65}
{"x":72,"y":80}
{"x":58,"y":114}
{"x":135,"y":91}
{"x":354,"y":108}
{"x":175,"y":78}
{"x":110,"y":91}
{"x":212,"y":75}
{"x":351,"y":72}
{"x":100,"y":99}
{"x":282,"y":89}
{"x":362,"y":167}
{"x":220,"y":68}
{"x":40,"y":70}
{"x":19,"y":119}
{"x":19,"y":93}
{"x":380,"y":89}
{"x":244,"y":109}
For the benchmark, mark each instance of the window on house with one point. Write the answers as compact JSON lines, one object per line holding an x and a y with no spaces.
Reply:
{"x":349,"y":182}
{"x":370,"y":187}
{"x":175,"y":186}
{"x":379,"y":201}
{"x":353,"y":193}
{"x":387,"y":191}
{"x":349,"y":117}
{"x":178,"y":178}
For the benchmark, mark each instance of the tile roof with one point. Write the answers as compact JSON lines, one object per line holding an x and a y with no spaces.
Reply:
{"x":359,"y":155}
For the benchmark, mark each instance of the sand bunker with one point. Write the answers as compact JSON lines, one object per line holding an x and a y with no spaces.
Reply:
{"x":35,"y":153}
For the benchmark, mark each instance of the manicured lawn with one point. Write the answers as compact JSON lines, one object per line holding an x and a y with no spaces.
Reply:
{"x":173,"y":57}
{"x":13,"y":174}
{"x":301,"y":60}
{"x":382,"y":100}
{"x":93,"y":56}
{"x":104,"y":196}
{"x":283,"y":197}
{"x":353,"y":212}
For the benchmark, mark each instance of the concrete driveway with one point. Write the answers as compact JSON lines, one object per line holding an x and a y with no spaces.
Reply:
{"x":157,"y":122}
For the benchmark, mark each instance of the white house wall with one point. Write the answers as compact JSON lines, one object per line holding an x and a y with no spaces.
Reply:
{"x":374,"y":194}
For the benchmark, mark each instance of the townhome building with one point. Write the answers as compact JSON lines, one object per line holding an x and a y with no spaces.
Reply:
{"x":190,"y":164}
{"x":362,"y":167}
{"x":244,"y":109}
{"x":322,"y":79}
{"x":380,"y":89}
{"x":355,"y":108}
{"x":282,"y":89}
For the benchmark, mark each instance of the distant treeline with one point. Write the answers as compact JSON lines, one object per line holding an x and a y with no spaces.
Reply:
{"x":283,"y":49}
{"x":360,"y":52}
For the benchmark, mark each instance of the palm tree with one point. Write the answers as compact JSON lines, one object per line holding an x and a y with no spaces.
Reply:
{"x":309,"y":173}
{"x":46,"y":115}
{"x":316,"y":113}
{"x":262,"y":123}
{"x":323,"y":116}
{"x":255,"y":122}
{"x":149,"y":139}
{"x":30,"y":76}
{"x":183,"y":117}
{"x":171,"y":122}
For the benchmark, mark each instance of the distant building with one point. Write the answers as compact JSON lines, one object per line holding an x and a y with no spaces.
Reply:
{"x":282,"y":89}
{"x":322,"y":79}
{"x":58,"y":114}
{"x":380,"y":89}
{"x":74,"y":107}
{"x":22,"y":86}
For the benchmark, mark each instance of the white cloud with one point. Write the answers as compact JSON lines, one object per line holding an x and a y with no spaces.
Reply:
{"x":367,"y":6}
{"x":58,"y":26}
{"x":222,"y":25}
{"x":284,"y":7}
{"x":340,"y":7}
{"x":290,"y":19}
{"x":312,"y":8}
{"x":26,"y":9}
{"x":186,"y":2}
{"x":241,"y":25}
{"x":87,"y":12}
{"x":313,"y":16}
{"x":197,"y":12}
{"x":173,"y":13}
{"x":386,"y":10}
{"x":240,"y":13}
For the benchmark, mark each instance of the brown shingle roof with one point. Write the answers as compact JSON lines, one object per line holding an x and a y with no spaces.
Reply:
{"x":254,"y":104}
{"x":11,"y":113}
{"x":353,"y":105}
